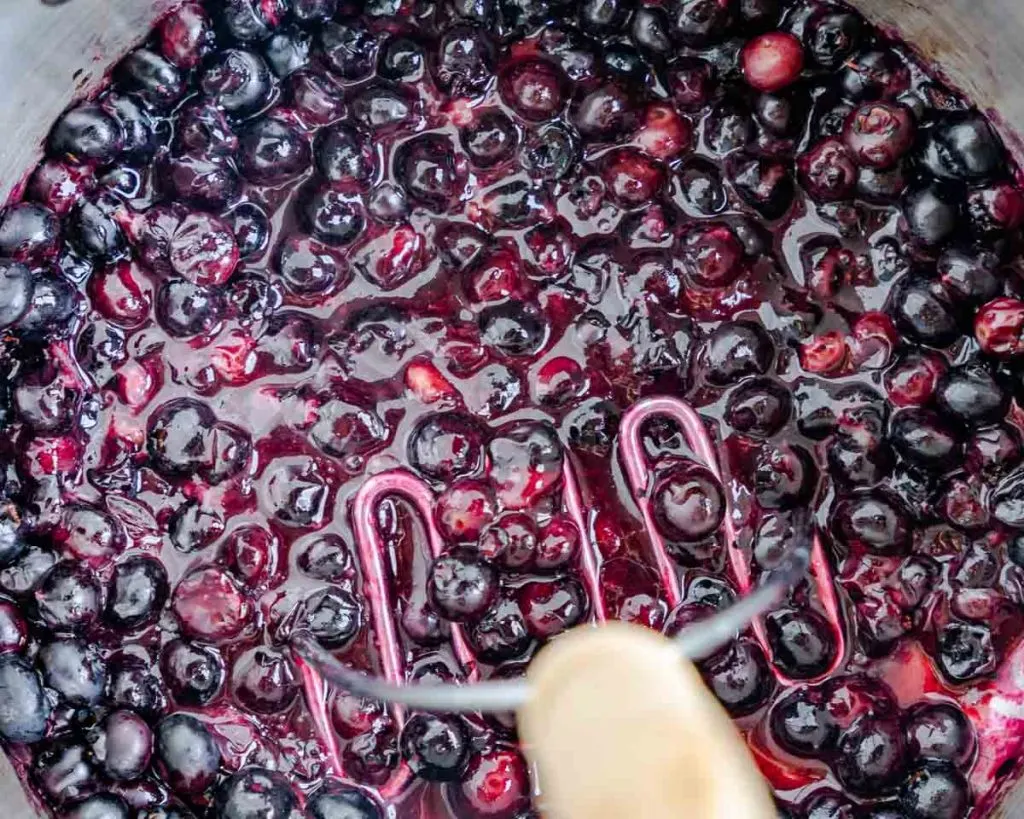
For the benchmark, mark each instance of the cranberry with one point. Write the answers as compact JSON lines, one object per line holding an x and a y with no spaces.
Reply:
{"x":194,"y":673}
{"x":534,"y":89}
{"x":461,"y":587}
{"x":210,"y":605}
{"x":526,"y":463}
{"x":772,"y":61}
{"x":495,"y":784}
{"x":551,"y":607}
{"x":464,"y":509}
{"x":256,"y":791}
{"x":878,"y":134}
{"x":935,"y":791}
{"x":999,"y":327}
{"x":435,"y":747}
{"x":828,"y":172}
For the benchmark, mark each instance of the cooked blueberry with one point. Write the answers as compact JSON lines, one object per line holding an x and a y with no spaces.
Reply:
{"x":272,"y":151}
{"x":764,"y":184}
{"x":966,"y":652}
{"x":87,"y":133}
{"x":239,"y":81}
{"x":871,"y":756}
{"x":122,"y":745}
{"x":461,"y":587}
{"x":132,"y":683}
{"x":288,"y":51}
{"x":703,"y":22}
{"x":924,"y":312}
{"x":335,"y":800}
{"x":349,"y":50}
{"x":194,"y":673}
{"x":64,"y":772}
{"x":331,"y":215}
{"x":740,"y":678}
{"x":802,"y":644}
{"x":54,"y":301}
{"x":802,"y":725}
{"x":735,"y":350}
{"x":24,"y":708}
{"x":185,"y":309}
{"x":157,"y":82}
{"x":251,"y":229}
{"x":491,"y":139}
{"x":187,"y":754}
{"x":99,"y":806}
{"x":500,"y":634}
{"x":401,"y":59}
{"x":935,"y":791}
{"x":931,"y":215}
{"x":29,"y":231}
{"x":74,"y":669}
{"x":249,"y":21}
{"x":435,"y":747}
{"x":69,"y":597}
{"x":963,"y":147}
{"x":832,"y":35}
{"x":202,"y":128}
{"x":940,"y":731}
{"x":465,"y":61}
{"x":649,"y":29}
{"x":971,"y":394}
{"x":923,"y":438}
{"x":16,"y":288}
{"x":333,"y":616}
{"x":138,"y":592}
{"x":94,"y":233}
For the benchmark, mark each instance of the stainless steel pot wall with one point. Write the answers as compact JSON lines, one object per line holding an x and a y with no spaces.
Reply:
{"x":50,"y":55}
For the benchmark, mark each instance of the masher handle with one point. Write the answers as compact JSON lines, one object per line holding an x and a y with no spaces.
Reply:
{"x":621,"y":728}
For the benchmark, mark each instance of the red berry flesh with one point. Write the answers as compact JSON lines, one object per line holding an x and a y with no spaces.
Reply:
{"x":772,"y":61}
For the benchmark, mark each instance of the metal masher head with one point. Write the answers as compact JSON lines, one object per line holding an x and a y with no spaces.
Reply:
{"x":696,"y":642}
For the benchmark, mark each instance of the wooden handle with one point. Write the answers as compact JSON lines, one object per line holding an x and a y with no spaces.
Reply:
{"x":620,"y":728}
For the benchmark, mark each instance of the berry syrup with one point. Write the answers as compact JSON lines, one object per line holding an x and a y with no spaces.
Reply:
{"x":297,"y":243}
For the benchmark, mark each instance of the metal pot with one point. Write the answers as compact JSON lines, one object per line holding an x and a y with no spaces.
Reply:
{"x":53,"y":52}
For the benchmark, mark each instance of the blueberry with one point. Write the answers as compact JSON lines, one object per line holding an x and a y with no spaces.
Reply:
{"x":194,"y":673}
{"x":203,"y":129}
{"x":99,"y":806}
{"x":735,"y":350}
{"x":649,"y":29}
{"x":263,"y":680}
{"x":871,"y":756}
{"x":592,"y":425}
{"x":759,"y":407}
{"x":74,"y":669}
{"x":689,"y":505}
{"x":123,"y":745}
{"x":603,"y":16}
{"x":832,"y":35}
{"x":513,"y":329}
{"x":624,"y":63}
{"x":970,"y":394}
{"x":701,"y":189}
{"x":873,"y":75}
{"x":306,"y":266}
{"x":465,"y":61}
{"x":872,"y":522}
{"x":185,"y":309}
{"x":27,"y":570}
{"x":401,"y":59}
{"x":205,"y":181}
{"x":187,"y":754}
{"x":500,"y":634}
{"x":604,"y":113}
{"x":342,"y":155}
{"x":272,"y":151}
{"x":64,"y":772}
{"x":238,"y":81}
{"x":29,"y":231}
{"x":313,"y":11}
{"x":764,"y":184}
{"x":16,"y":289}
{"x":140,"y":131}
{"x":68,"y":598}
{"x":491,"y":139}
{"x":940,"y":731}
{"x":963,"y":147}
{"x":251,"y":228}
{"x":179,"y":437}
{"x":94,"y":233}
{"x":379,"y":107}
{"x":827,"y":804}
{"x":931,"y":215}
{"x":740,"y":678}
{"x":255,"y":792}
{"x":966,"y":652}
{"x":435,"y":747}
{"x":54,"y":301}
{"x":935,"y":791}
{"x":461,"y":587}
{"x":923,"y":438}
{"x":425,"y":166}
{"x":87,"y":133}
{"x":924,"y":312}
{"x":701,"y":23}
{"x":336,"y":800}
{"x":138,"y":591}
{"x":970,"y":275}
{"x":132,"y":684}
{"x":349,"y":50}
{"x":333,"y":617}
{"x":24,"y":708}
{"x":331,"y":215}
{"x":288,"y":51}
{"x":801,"y":641}
{"x":158,"y":83}
{"x":802,"y":725}
{"x":251,"y":21}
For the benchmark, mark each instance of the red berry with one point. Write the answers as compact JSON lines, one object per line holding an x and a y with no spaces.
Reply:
{"x":464,"y":509}
{"x":713,"y":255}
{"x":427,"y":383}
{"x":119,"y":294}
{"x":211,"y":605}
{"x":664,"y":134}
{"x":825,"y":354}
{"x":558,"y":544}
{"x":551,"y":607}
{"x":911,"y":382}
{"x":879,"y":133}
{"x":999,"y":327}
{"x":534,"y":89}
{"x":203,"y":250}
{"x":632,"y":177}
{"x":496,"y":784}
{"x":559,"y":381}
{"x":772,"y":61}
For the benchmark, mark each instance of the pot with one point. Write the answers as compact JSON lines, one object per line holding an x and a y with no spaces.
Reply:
{"x":54,"y":51}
